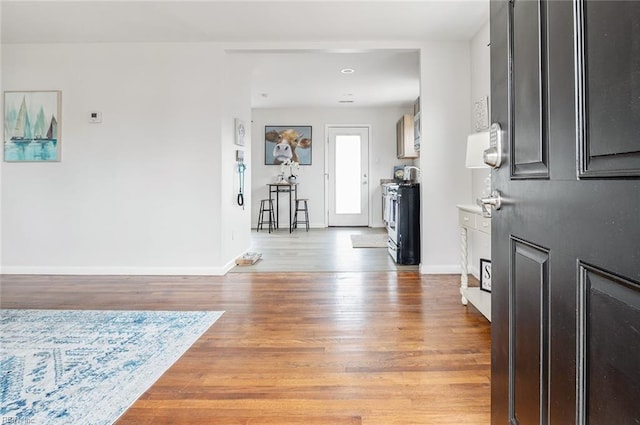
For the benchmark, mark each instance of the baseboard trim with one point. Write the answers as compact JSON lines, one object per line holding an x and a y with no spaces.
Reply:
{"x":475,"y":271}
{"x":133,"y":271}
{"x":312,"y":225}
{"x":444,"y":269}
{"x":174,"y":271}
{"x":450,"y":269}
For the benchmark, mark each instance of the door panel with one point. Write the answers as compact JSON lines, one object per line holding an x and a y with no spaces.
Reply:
{"x":565,"y":317}
{"x":610,"y":91}
{"x":609,"y":317}
{"x":529,"y":338}
{"x":530,"y":153}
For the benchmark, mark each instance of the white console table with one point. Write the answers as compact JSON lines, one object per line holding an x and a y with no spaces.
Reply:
{"x":470,"y":218}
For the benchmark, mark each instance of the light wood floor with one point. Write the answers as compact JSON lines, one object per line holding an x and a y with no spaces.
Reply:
{"x":327,"y":249}
{"x":372,"y":348}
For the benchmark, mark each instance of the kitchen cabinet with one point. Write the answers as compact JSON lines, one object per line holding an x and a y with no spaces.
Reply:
{"x":404,"y":138}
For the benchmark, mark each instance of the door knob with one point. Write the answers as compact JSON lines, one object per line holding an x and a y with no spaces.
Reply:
{"x":492,"y":157}
{"x":494,"y":200}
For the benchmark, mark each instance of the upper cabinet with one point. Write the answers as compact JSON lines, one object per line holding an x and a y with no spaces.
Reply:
{"x":405,"y":137}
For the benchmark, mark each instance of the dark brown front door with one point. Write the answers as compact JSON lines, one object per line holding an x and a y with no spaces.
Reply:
{"x":565,"y":88}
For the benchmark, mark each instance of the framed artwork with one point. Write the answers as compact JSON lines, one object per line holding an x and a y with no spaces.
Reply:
{"x":417,"y":137}
{"x":287,"y":142}
{"x":481,"y":114}
{"x":485,"y":275}
{"x":32,"y":126}
{"x":239,"y":132}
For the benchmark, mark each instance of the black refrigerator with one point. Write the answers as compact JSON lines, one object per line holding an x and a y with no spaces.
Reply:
{"x":408,"y":224}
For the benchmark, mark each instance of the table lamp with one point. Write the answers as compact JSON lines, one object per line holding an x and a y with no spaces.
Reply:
{"x":476,"y":145}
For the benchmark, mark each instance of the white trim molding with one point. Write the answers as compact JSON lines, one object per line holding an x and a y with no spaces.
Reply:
{"x":133,"y":271}
{"x":443,"y":269}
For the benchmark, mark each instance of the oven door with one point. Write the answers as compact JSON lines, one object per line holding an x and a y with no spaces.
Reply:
{"x":392,"y":248}
{"x":392,"y":224}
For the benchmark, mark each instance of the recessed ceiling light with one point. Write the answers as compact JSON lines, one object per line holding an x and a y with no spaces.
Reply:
{"x":347,"y":70}
{"x":345,"y":101}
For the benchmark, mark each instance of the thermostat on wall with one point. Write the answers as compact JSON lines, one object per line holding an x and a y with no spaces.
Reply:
{"x":95,"y":117}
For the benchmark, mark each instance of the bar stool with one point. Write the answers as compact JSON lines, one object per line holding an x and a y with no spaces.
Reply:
{"x":299,"y":207}
{"x":266,"y":205}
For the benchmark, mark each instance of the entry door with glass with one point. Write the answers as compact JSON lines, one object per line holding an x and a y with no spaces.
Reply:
{"x":348,"y":176}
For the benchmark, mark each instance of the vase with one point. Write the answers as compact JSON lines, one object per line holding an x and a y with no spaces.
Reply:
{"x":292,"y":179}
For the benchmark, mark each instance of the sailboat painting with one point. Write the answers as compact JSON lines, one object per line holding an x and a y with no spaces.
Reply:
{"x":32,"y":126}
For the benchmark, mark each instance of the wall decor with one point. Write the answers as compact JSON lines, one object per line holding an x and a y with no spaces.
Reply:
{"x":32,"y":126}
{"x":282,"y":142}
{"x":417,"y":127}
{"x":417,"y":135}
{"x":485,"y":275}
{"x":240,"y":131}
{"x":481,"y":114}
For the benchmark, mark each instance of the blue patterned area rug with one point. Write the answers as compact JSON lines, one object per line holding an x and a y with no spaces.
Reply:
{"x":87,"y":367}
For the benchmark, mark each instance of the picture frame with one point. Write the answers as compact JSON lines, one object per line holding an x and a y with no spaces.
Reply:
{"x":32,"y":126}
{"x":417,"y":136}
{"x":481,"y":114}
{"x":239,"y":131}
{"x":485,"y":275}
{"x":282,"y":142}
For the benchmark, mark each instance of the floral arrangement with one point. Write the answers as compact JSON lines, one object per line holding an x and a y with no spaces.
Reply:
{"x":291,"y":166}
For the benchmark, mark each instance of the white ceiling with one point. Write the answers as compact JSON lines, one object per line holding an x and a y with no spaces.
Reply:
{"x":307,"y":79}
{"x":289,"y":79}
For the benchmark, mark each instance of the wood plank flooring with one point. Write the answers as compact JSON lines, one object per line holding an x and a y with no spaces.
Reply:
{"x":366,"y":348}
{"x":327,"y":249}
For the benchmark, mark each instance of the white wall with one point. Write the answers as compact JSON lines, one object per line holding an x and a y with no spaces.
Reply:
{"x":445,"y":99}
{"x":152,"y":189}
{"x":479,"y":243}
{"x":141,"y":192}
{"x":1,"y":159}
{"x":235,"y":220}
{"x":382,"y":154}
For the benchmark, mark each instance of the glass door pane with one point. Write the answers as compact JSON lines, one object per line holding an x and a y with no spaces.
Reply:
{"x":348,"y":174}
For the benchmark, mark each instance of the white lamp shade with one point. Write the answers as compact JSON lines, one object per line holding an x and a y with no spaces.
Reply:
{"x":476,"y":145}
